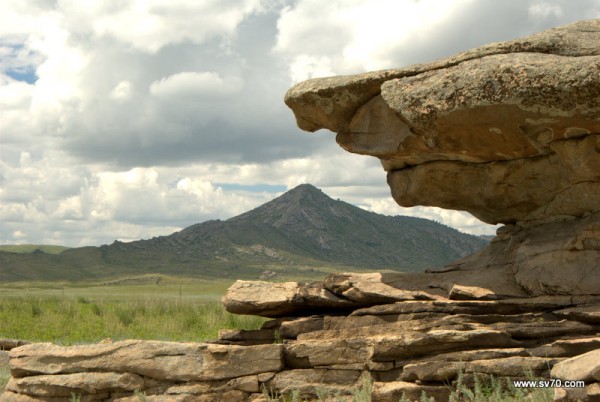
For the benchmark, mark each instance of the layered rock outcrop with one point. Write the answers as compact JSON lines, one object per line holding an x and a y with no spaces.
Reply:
{"x":386,"y":343}
{"x":509,"y":132}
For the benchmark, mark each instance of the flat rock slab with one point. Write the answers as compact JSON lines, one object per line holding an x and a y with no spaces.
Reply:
{"x":585,"y":367}
{"x":8,"y":396}
{"x":270,"y":299}
{"x":474,"y":307}
{"x":64,"y":385}
{"x":441,"y":371}
{"x":567,"y":347}
{"x":384,"y":288}
{"x":394,"y":391}
{"x":154,"y":359}
{"x":589,"y":314}
{"x":311,"y":381}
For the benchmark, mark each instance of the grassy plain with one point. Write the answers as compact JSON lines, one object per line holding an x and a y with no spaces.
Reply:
{"x":145,"y":307}
{"x":30,"y":248}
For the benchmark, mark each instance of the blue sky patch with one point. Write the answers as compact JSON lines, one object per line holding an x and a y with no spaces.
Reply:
{"x":25,"y":75}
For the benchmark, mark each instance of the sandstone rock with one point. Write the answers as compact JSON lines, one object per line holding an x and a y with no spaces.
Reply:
{"x":501,"y":118}
{"x":460,"y":292}
{"x":353,"y":290}
{"x":347,"y":330}
{"x":443,"y":371}
{"x":468,"y":355}
{"x":474,"y":307}
{"x":376,"y":288}
{"x":585,"y":367}
{"x":77,"y":383}
{"x":519,"y":121}
{"x":567,"y":347}
{"x":512,"y":366}
{"x":8,"y":396}
{"x":259,"y":336}
{"x":331,"y":102}
{"x":590,"y":393}
{"x":327,"y":352}
{"x":382,"y":288}
{"x":538,"y":257}
{"x":291,"y":329}
{"x":543,"y":329}
{"x":416,"y":344}
{"x":309,"y":380}
{"x":393,"y":391}
{"x":229,"y":396}
{"x":589,"y":314}
{"x":279,"y":299}
{"x":352,"y":322}
{"x":245,"y":383}
{"x":161,"y":360}
{"x":231,"y":361}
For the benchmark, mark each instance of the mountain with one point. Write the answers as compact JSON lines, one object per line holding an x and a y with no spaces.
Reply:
{"x":302,"y":230}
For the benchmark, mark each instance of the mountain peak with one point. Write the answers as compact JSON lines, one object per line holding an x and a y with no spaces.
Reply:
{"x":304,"y":190}
{"x":304,"y":200}
{"x":300,"y":228}
{"x":306,"y":221}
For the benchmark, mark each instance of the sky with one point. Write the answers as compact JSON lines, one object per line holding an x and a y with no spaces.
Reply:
{"x":136,"y":118}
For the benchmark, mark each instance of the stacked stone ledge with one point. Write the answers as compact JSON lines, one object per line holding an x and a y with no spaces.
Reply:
{"x":335,"y":337}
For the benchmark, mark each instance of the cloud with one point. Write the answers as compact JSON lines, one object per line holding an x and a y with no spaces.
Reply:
{"x":151,"y":25}
{"x":190,"y":84}
{"x":349,"y":36}
{"x":126,"y":120}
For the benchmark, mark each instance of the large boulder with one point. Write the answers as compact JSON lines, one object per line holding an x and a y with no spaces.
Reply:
{"x":509,"y":132}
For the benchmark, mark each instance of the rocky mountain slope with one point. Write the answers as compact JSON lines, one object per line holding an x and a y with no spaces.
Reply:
{"x":303,"y":227}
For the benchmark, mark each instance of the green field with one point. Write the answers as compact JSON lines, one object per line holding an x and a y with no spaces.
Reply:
{"x":30,"y":248}
{"x":146,"y":307}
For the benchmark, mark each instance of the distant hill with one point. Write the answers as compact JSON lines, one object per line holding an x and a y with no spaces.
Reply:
{"x":301,"y":233}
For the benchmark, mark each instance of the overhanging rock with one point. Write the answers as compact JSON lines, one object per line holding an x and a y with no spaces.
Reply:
{"x":509,"y":132}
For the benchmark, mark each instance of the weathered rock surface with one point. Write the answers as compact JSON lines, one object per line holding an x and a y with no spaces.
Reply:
{"x":517,"y":120}
{"x":509,"y":132}
{"x":270,"y":300}
{"x":154,"y":359}
{"x":584,"y":367}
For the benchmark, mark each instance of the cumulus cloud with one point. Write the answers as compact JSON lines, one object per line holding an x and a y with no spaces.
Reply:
{"x":189,"y":84}
{"x":348,"y":36}
{"x":126,"y":120}
{"x":151,"y":25}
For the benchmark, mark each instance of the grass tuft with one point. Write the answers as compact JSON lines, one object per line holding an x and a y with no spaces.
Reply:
{"x":50,"y":319}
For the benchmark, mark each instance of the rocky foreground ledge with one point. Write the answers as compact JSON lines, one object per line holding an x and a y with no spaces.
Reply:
{"x":335,"y":337}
